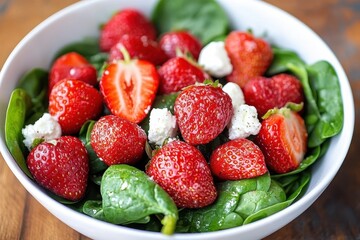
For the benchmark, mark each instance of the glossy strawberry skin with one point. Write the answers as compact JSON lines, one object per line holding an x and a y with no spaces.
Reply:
{"x":142,"y":48}
{"x":177,"y":73}
{"x":129,"y":88}
{"x":267,"y":93}
{"x":237,"y":159}
{"x":202,"y":113}
{"x":182,"y":171}
{"x":117,"y":141}
{"x":282,"y":139}
{"x":249,"y":56}
{"x":127,"y":21}
{"x":61,"y":166}
{"x":182,"y":40}
{"x":73,"y":102}
{"x":72,"y":65}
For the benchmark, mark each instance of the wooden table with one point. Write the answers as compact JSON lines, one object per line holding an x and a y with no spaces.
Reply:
{"x":335,"y":215}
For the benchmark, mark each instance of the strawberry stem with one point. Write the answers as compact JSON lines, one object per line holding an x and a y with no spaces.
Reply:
{"x":125,"y":54}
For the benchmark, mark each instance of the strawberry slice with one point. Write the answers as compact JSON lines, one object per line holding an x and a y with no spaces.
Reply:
{"x":282,"y":139}
{"x":129,"y":87}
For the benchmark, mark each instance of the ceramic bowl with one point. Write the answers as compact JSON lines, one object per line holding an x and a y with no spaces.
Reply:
{"x":82,"y":20}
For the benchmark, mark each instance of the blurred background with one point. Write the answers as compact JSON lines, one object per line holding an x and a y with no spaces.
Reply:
{"x":335,"y":215}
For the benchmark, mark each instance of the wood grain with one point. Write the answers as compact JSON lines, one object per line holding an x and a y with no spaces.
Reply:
{"x":335,"y":215}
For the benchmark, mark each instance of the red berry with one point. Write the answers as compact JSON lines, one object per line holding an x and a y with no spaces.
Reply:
{"x":142,"y":48}
{"x":127,"y":21}
{"x":72,"y":65}
{"x":116,"y":140}
{"x":181,"y":40}
{"x":267,"y":93}
{"x":237,"y":159}
{"x":73,"y":102}
{"x":182,"y":171}
{"x":177,"y":73}
{"x":129,"y":88}
{"x":202,"y":113}
{"x":282,"y":139}
{"x":61,"y":166}
{"x":249,"y":56}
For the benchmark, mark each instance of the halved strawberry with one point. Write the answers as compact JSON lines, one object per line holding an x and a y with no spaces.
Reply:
{"x":282,"y":139}
{"x":129,"y":88}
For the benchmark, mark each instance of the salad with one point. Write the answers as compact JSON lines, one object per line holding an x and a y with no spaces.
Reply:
{"x":165,"y":124}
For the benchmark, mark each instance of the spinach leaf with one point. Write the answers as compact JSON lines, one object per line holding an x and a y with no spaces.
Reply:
{"x":93,"y":208}
{"x":237,"y":201}
{"x":130,"y":196}
{"x":301,"y":185}
{"x":18,"y":108}
{"x":87,"y":47}
{"x":195,"y":16}
{"x":96,"y":165}
{"x":325,"y":83}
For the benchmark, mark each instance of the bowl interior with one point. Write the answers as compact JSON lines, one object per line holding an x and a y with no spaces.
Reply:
{"x":83,"y":20}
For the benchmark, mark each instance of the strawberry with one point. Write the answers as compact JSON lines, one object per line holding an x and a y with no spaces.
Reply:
{"x":182,"y":171}
{"x":202,"y":113}
{"x":127,"y":21}
{"x":73,"y":102}
{"x":116,"y":140}
{"x":237,"y":159}
{"x":72,"y":65}
{"x":61,"y":166}
{"x":267,"y":93}
{"x":249,"y":56}
{"x":282,"y":139}
{"x":177,"y":73}
{"x":138,"y":47}
{"x":129,"y":87}
{"x":182,"y":41}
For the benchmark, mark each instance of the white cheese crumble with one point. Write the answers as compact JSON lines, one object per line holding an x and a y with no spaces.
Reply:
{"x":46,"y":128}
{"x":162,"y":125}
{"x":214,"y":59}
{"x":235,"y":93}
{"x":244,"y":122}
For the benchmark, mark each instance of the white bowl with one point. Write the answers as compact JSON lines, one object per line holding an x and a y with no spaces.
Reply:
{"x":83,"y":18}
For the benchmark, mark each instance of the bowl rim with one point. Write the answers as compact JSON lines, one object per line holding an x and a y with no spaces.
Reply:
{"x":37,"y":192}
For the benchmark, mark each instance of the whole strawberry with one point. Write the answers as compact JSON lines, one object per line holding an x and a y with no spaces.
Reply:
{"x":116,"y":140}
{"x":249,"y":56}
{"x":127,"y":21}
{"x":142,"y":48}
{"x":129,"y":87}
{"x":177,"y":73}
{"x":282,"y":139}
{"x":267,"y":93}
{"x":61,"y":166}
{"x":202,"y":113}
{"x":72,"y":65}
{"x":73,"y":102}
{"x":237,"y":159}
{"x":182,"y":41}
{"x":182,"y":171}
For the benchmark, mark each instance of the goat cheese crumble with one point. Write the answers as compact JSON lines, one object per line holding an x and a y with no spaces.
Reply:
{"x":46,"y":128}
{"x":244,"y":122}
{"x":215,"y":60}
{"x":162,"y":125}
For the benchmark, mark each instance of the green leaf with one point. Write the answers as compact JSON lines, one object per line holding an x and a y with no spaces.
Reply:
{"x":19,"y":105}
{"x":302,"y":183}
{"x":96,"y":165}
{"x":195,"y":16}
{"x":324,"y":81}
{"x":130,"y":196}
{"x":87,"y":47}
